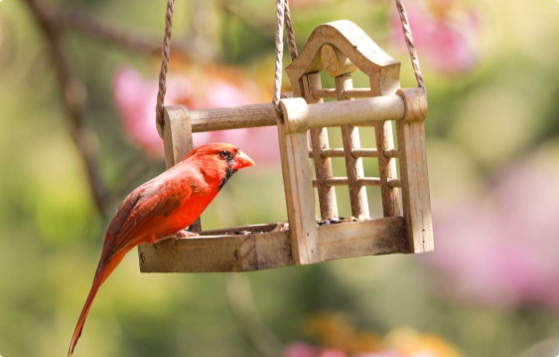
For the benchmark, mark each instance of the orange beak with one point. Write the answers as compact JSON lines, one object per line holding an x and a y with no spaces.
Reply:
{"x":241,"y":161}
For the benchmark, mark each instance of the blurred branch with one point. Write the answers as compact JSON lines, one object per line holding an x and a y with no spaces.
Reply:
{"x":242,"y":304}
{"x":76,"y":19}
{"x":74,"y":96}
{"x":53,"y":22}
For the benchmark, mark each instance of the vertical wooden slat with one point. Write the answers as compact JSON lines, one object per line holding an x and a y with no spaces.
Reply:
{"x":299,"y":193}
{"x":387,"y":169}
{"x":177,"y":139}
{"x":354,"y":165}
{"x":323,"y":165}
{"x":415,"y":185}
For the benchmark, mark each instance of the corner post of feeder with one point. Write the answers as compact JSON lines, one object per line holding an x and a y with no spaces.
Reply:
{"x":297,"y":177}
{"x":413,"y":166}
{"x":178,"y":141}
{"x":177,"y":136}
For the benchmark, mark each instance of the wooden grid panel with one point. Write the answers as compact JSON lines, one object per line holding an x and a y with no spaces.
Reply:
{"x":355,"y":179}
{"x":388,"y":181}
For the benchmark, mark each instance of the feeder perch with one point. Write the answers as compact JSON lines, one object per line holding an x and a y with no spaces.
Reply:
{"x":339,"y":48}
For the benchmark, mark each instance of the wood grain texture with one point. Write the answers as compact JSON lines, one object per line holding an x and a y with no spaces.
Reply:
{"x":415,"y":186}
{"x":415,"y":101}
{"x":258,"y":251}
{"x":355,"y":239}
{"x":177,"y":136}
{"x":225,"y":253}
{"x":363,"y":111}
{"x":322,"y":164}
{"x":362,"y":181}
{"x":357,"y":47}
{"x":299,"y":193}
{"x":354,"y":165}
{"x":387,"y":169}
{"x":177,"y":139}
{"x":245,"y":116}
{"x":358,"y":112}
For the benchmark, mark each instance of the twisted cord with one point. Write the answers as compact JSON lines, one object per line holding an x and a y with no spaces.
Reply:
{"x":290,"y":33}
{"x":409,"y":42}
{"x":165,"y":52}
{"x":280,"y":4}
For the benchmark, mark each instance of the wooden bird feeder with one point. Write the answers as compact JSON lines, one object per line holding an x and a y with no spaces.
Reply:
{"x":339,"y":48}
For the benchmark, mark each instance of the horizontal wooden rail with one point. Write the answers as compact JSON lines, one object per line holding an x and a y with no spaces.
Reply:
{"x":319,"y":93}
{"x":272,"y":249}
{"x":339,"y":152}
{"x":363,"y":181}
{"x":246,"y":116}
{"x":301,"y":116}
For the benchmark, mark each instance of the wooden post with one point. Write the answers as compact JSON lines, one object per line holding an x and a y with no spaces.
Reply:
{"x":177,"y":139}
{"x":177,"y":136}
{"x":413,"y":169}
{"x":299,"y":193}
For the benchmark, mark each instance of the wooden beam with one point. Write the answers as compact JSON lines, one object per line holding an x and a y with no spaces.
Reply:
{"x":299,"y":193}
{"x":415,"y":186}
{"x":355,"y":239}
{"x":271,"y":249}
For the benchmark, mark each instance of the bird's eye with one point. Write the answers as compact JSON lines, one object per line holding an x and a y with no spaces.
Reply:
{"x":225,"y":154}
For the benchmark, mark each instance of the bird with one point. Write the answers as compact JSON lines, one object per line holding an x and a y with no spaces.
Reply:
{"x":162,"y":207}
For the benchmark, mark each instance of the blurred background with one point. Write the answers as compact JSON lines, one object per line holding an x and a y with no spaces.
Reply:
{"x":78,"y":82}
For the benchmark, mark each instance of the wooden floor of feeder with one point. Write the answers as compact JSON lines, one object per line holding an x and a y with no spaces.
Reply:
{"x":266,"y":246}
{"x":339,"y":49}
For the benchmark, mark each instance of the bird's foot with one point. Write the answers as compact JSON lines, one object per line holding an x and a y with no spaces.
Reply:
{"x":172,"y":238}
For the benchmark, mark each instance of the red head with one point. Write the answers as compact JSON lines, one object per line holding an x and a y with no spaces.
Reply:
{"x":219,"y":160}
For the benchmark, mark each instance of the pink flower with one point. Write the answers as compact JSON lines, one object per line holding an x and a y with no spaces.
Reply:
{"x":332,"y":352}
{"x":445,"y":37}
{"x":135,"y":98}
{"x":300,"y":349}
{"x":501,"y":249}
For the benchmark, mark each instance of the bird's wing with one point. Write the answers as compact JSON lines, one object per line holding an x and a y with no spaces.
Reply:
{"x":144,"y":210}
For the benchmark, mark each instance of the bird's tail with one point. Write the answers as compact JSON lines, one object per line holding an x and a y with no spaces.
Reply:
{"x":103,"y":272}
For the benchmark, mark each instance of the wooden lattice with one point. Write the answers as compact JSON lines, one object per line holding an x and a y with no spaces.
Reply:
{"x":338,"y":48}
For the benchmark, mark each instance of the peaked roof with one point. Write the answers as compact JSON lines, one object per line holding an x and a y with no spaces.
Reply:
{"x":349,"y":43}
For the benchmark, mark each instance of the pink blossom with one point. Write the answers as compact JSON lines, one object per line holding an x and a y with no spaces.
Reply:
{"x":300,"y":349}
{"x":445,"y":37}
{"x":135,"y":98}
{"x":332,"y":352}
{"x":501,"y":248}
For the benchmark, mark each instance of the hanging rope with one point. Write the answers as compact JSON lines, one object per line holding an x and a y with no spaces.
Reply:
{"x":292,"y":45}
{"x":283,"y":18}
{"x":411,"y":47}
{"x":280,"y":12}
{"x":165,"y":52}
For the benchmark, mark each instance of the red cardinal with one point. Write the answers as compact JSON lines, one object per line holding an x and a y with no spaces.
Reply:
{"x":163,"y":206}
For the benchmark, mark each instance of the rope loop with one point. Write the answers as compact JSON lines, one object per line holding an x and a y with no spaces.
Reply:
{"x":283,"y":18}
{"x":165,"y":54}
{"x":411,"y":47}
